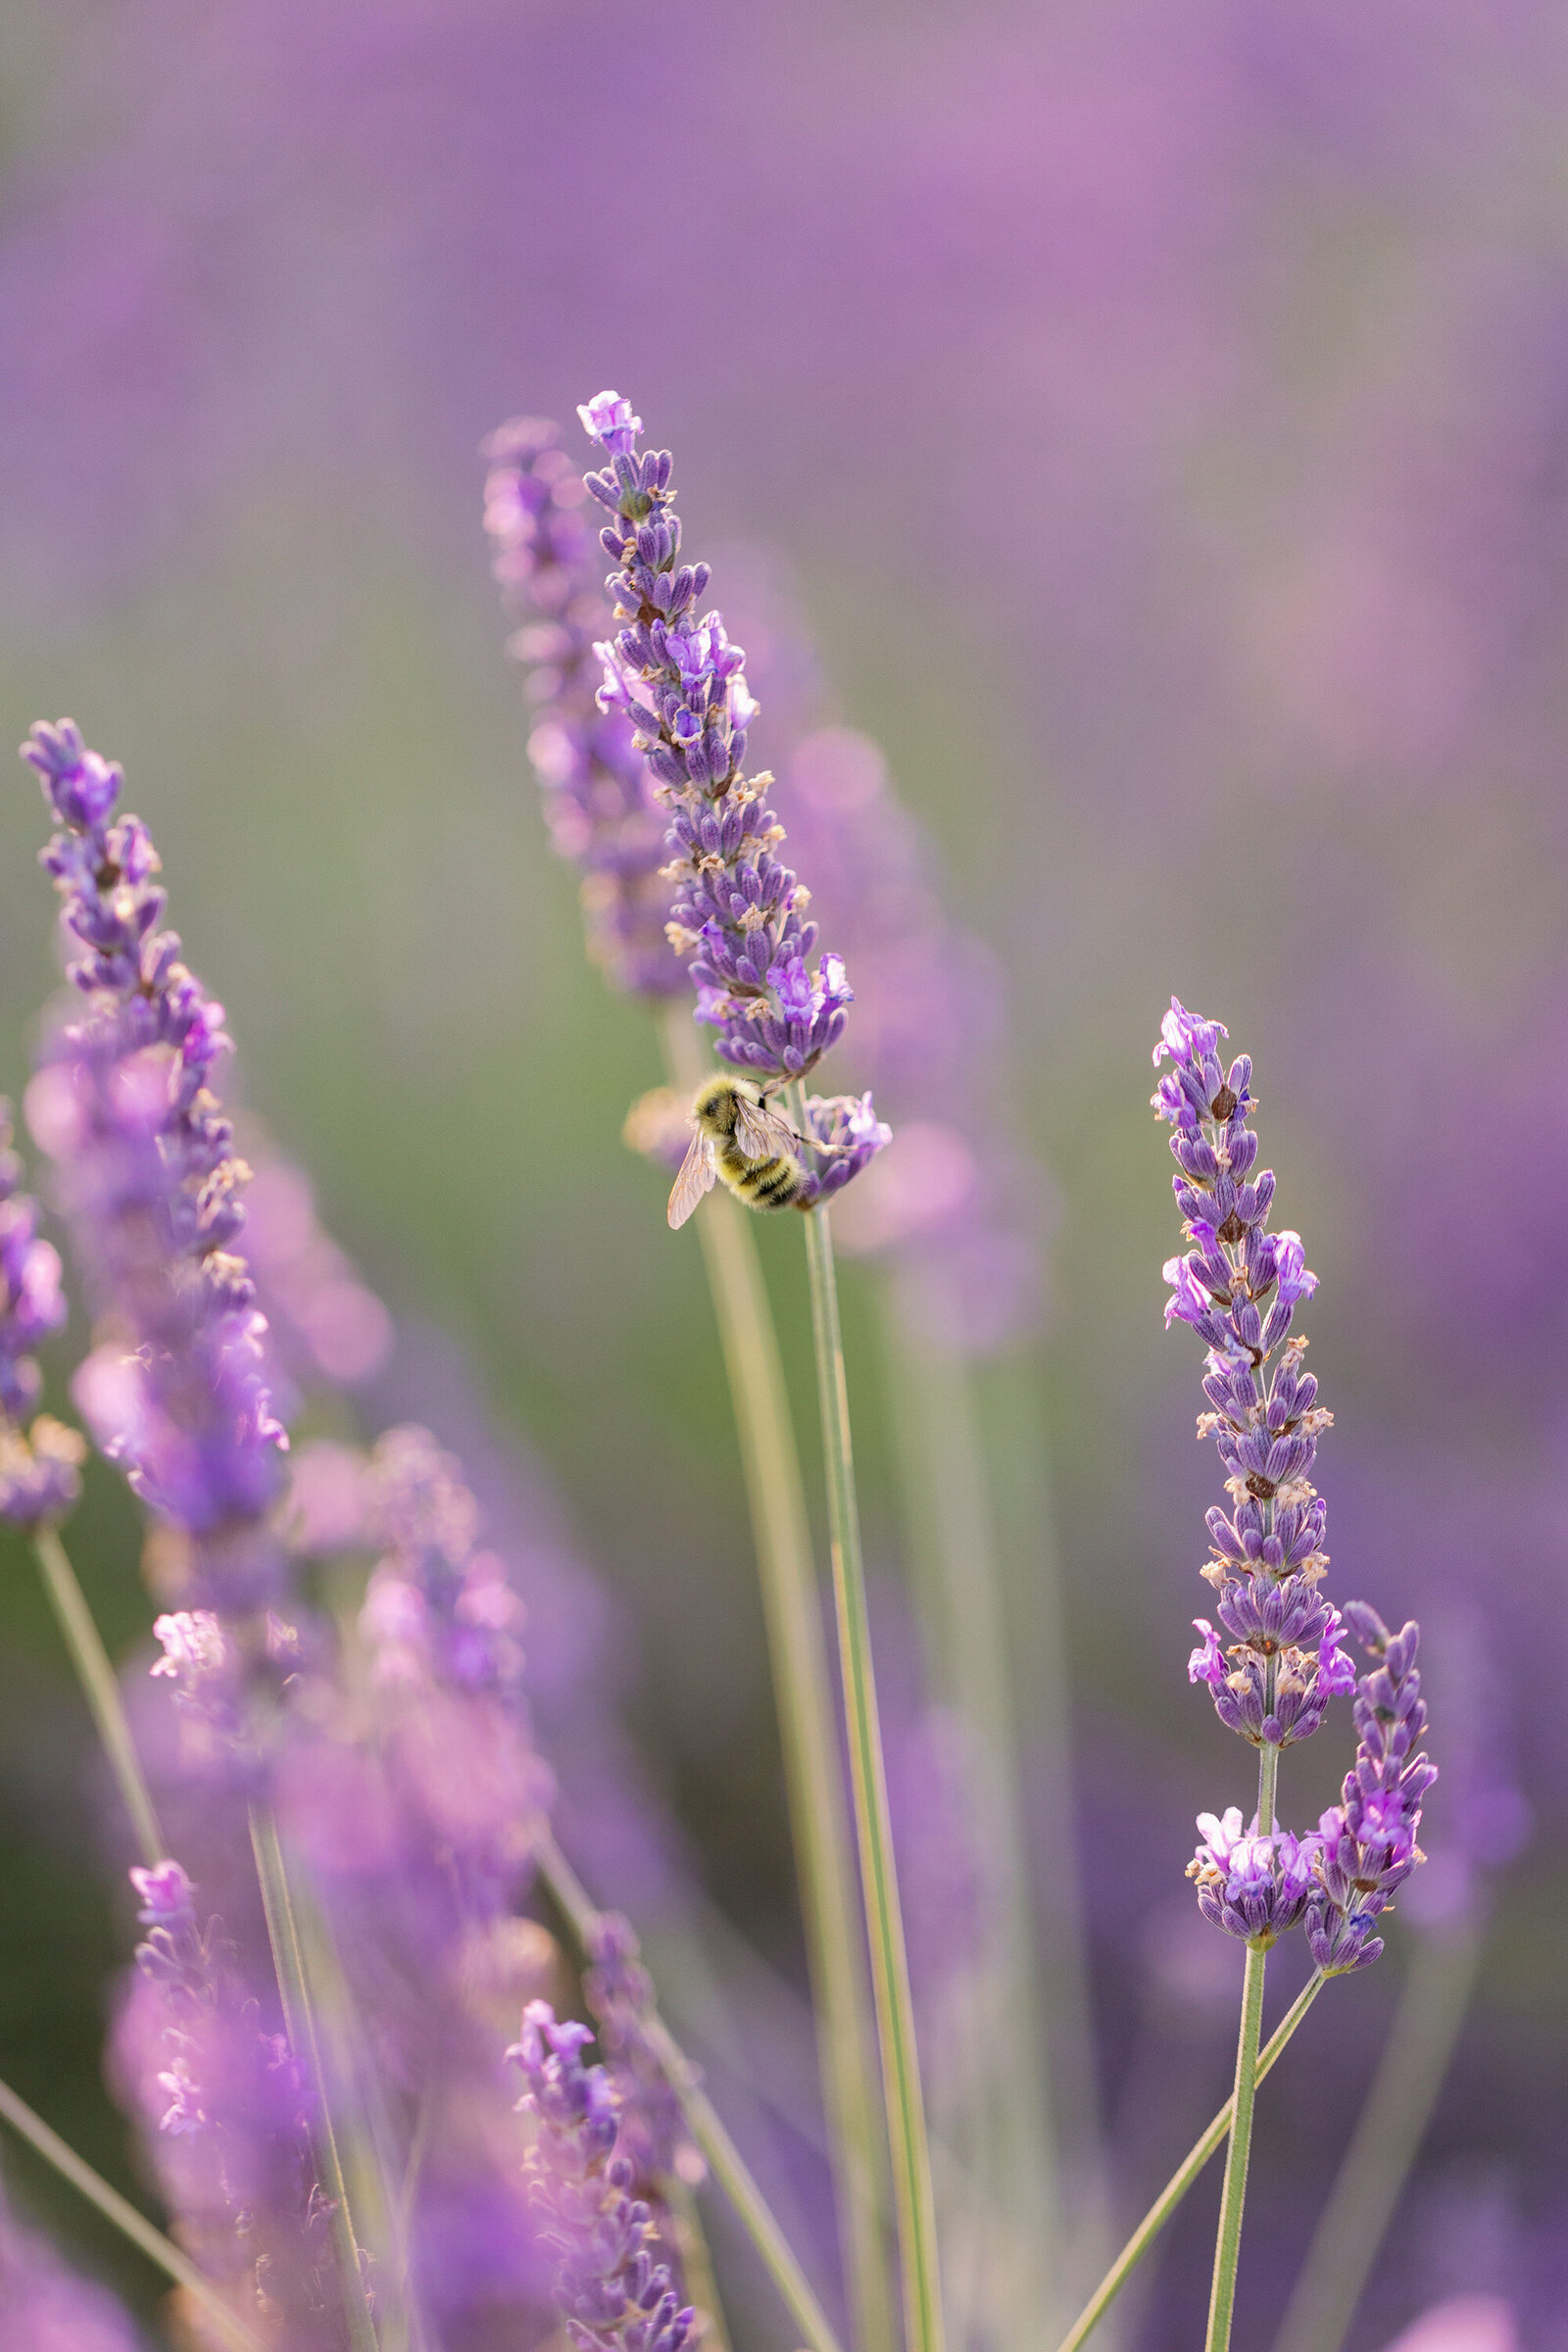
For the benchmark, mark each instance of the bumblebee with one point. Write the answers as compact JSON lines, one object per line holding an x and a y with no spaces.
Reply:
{"x":738,"y":1141}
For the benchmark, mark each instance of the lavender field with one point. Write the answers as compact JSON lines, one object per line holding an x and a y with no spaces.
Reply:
{"x":800,"y":605}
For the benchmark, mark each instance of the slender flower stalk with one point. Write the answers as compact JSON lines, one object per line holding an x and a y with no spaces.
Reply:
{"x":1228,"y":2243}
{"x":1001,"y":2192}
{"x":607,"y":818}
{"x":913,"y":2199}
{"x":132,"y":2224}
{"x":1183,"y":2178}
{"x":729,"y":2167}
{"x":100,"y":1687}
{"x":300,"y":2023}
{"x":808,"y":1738}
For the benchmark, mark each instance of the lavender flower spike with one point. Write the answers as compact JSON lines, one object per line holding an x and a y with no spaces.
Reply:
{"x":38,"y":1467}
{"x":149,"y":1183}
{"x":612,"y":2294}
{"x":1368,"y":1844}
{"x":598,"y":795}
{"x":740,"y":913}
{"x":1238,"y":1286}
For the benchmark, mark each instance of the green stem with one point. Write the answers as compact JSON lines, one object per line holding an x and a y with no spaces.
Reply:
{"x":724,"y":2159}
{"x":300,"y":2023}
{"x":807,"y":1732}
{"x":1387,"y":2137}
{"x":100,"y":1689}
{"x":125,"y":2217}
{"x":999,"y":2178}
{"x":1233,"y":2198}
{"x":913,"y":2197}
{"x":1181,"y":2181}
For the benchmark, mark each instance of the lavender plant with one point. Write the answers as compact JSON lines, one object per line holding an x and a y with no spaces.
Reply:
{"x":674,"y":673}
{"x":610,"y":814}
{"x":1237,"y":1286}
{"x":614,"y":2296}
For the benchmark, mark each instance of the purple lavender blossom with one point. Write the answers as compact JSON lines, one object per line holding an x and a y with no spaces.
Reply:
{"x":619,"y":1993}
{"x":1369,"y":1844}
{"x":1253,"y":1887}
{"x":443,"y":1625}
{"x":599,"y":801}
{"x":612,"y":2294}
{"x":225,"y":2114}
{"x":149,"y":1184}
{"x":40,"y":1468}
{"x":671,"y":671}
{"x":326,"y":1327}
{"x":1239,"y":1287}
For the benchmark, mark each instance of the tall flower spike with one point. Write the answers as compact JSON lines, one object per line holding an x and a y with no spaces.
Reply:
{"x":224,"y":2113}
{"x":672,"y":673}
{"x":443,"y":1624}
{"x":39,"y":1467}
{"x":597,"y":796}
{"x":150,"y":1185}
{"x":1239,"y":1287}
{"x":1368,"y":1846}
{"x":611,"y":2292}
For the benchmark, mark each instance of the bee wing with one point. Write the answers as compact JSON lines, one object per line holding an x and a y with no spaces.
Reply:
{"x":761,"y":1132}
{"x":697,"y":1177}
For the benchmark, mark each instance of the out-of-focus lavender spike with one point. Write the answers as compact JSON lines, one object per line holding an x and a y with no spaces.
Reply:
{"x":326,"y":1327}
{"x":1239,"y":1287}
{"x":671,"y":671}
{"x":444,"y":1625}
{"x":46,"y":2308}
{"x":225,"y":2115}
{"x":957,"y":1224}
{"x":597,"y":796}
{"x":653,"y":2134}
{"x":1369,"y":1837}
{"x":612,"y":2294}
{"x":149,"y":1183}
{"x":39,"y":1466}
{"x":1484,"y":1819}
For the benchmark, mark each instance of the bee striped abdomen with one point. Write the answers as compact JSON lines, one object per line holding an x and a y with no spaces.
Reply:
{"x":776,"y":1183}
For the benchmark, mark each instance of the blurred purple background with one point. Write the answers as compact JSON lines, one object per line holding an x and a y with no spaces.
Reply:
{"x":1163,"y":413}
